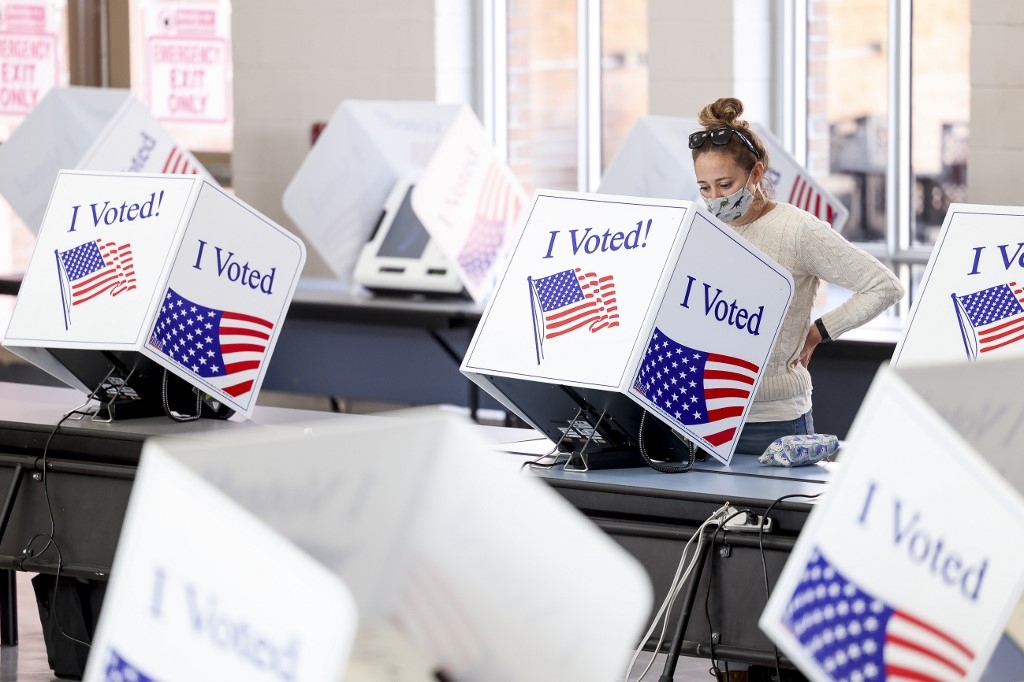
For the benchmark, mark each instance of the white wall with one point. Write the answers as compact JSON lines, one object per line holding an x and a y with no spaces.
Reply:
{"x":294,"y":63}
{"x":996,"y":154}
{"x":700,"y":51}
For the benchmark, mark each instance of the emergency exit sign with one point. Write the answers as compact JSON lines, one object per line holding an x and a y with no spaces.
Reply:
{"x":29,"y":58}
{"x":189,"y":60}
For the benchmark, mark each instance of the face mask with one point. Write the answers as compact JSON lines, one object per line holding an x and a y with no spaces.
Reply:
{"x":733,"y":207}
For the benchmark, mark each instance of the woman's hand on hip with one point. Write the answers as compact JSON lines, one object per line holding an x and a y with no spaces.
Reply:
{"x":810,"y":342}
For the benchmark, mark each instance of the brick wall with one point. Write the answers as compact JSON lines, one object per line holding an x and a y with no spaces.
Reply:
{"x":997,"y":102}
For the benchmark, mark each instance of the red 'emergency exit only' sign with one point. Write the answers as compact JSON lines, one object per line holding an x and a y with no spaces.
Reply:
{"x":29,"y":63}
{"x":189,"y":65}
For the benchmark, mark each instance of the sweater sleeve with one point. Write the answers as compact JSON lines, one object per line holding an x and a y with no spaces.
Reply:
{"x":828,"y":255}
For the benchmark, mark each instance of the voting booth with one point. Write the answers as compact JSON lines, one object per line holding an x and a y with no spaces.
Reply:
{"x":454,"y":203}
{"x":435,"y":544}
{"x":624,"y":324}
{"x":84,"y":128}
{"x":656,"y":161}
{"x":910,"y":566}
{"x":134,"y":275}
{"x":970,"y":304}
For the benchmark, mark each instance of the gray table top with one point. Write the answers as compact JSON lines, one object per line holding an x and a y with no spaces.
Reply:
{"x":744,"y":478}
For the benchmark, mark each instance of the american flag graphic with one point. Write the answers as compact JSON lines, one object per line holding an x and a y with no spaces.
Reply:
{"x":120,"y":670}
{"x":94,"y":268}
{"x":571,"y":300}
{"x":497,"y":208}
{"x":707,"y":392}
{"x":178,"y":163}
{"x":223,"y":347}
{"x":990,"y":319}
{"x":805,"y":196}
{"x":854,"y":636}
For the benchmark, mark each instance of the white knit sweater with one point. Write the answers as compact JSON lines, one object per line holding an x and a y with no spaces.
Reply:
{"x":810,"y":249}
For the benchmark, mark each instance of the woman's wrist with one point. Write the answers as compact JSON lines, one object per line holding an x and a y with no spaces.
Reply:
{"x":825,"y":338}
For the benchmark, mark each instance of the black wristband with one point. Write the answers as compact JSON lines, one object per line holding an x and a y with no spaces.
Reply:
{"x":825,"y":338}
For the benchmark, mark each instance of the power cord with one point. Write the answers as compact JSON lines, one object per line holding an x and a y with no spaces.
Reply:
{"x":764,"y":563}
{"x":713,"y":670}
{"x":174,"y":415}
{"x":28,"y":552}
{"x":658,"y":466}
{"x":678,"y":580}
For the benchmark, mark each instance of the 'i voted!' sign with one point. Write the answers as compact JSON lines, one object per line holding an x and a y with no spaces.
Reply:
{"x":649,"y":298}
{"x":169,"y":266}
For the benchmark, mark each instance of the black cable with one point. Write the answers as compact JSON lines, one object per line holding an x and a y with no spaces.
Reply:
{"x":658,"y":466}
{"x":28,"y":552}
{"x":764,"y":562}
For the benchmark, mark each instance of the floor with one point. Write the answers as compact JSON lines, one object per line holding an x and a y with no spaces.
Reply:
{"x":27,"y":661}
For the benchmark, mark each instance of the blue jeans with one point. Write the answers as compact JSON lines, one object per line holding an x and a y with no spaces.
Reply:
{"x":757,"y":436}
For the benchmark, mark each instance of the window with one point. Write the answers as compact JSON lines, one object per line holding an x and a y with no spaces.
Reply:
{"x":577,"y":82}
{"x":542,"y":93}
{"x":888,"y":106}
{"x":34,"y":37}
{"x":624,"y":78}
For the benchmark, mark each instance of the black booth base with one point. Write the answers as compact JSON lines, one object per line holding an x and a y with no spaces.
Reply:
{"x":69,"y":609}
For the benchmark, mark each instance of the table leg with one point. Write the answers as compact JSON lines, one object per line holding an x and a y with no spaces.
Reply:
{"x":8,"y":608}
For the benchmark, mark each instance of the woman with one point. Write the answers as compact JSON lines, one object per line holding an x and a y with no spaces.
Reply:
{"x":730,"y":162}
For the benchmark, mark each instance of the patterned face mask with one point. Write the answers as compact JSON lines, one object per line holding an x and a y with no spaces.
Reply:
{"x":733,"y":207}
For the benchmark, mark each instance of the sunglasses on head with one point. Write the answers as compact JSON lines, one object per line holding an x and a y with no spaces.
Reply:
{"x":720,"y":137}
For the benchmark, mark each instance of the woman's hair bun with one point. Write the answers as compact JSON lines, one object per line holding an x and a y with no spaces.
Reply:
{"x":724,"y":111}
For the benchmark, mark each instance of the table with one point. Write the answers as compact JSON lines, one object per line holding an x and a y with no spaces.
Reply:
{"x":652,"y":515}
{"x":394,"y":349}
{"x":89,"y":468}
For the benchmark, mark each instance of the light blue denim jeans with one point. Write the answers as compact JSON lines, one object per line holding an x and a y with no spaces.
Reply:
{"x":757,"y":436}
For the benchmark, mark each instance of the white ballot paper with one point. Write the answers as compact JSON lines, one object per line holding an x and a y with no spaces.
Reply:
{"x":442,"y":545}
{"x":910,"y":568}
